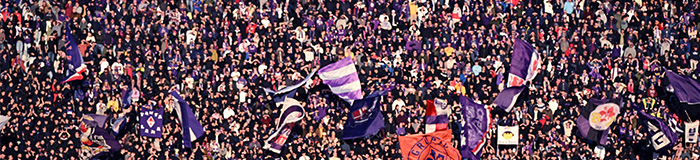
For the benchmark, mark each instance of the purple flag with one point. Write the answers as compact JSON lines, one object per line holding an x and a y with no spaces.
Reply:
{"x":342,"y":78}
{"x":77,"y":65}
{"x":364,"y":118}
{"x":96,"y":140}
{"x":506,"y":99}
{"x":151,"y":122}
{"x":596,"y":117}
{"x":662,"y":137}
{"x":191,"y":128}
{"x":291,"y":113}
{"x":687,"y":90}
{"x":476,"y":121}
{"x":523,"y":64}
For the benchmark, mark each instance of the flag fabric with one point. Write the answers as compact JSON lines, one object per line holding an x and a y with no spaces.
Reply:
{"x":675,"y":127}
{"x":151,"y":122}
{"x":95,"y":120}
{"x":437,"y":115}
{"x":118,"y":124}
{"x":662,"y":137}
{"x":126,"y":96}
{"x":687,"y":90}
{"x":292,"y":111}
{"x":476,"y":121}
{"x":96,"y":140}
{"x":342,"y":78}
{"x":290,"y":88}
{"x":364,"y":118}
{"x":523,"y":64}
{"x":507,"y":98}
{"x":595,"y":119}
{"x":434,"y":146}
{"x":691,"y":132}
{"x":191,"y":128}
{"x":3,"y":121}
{"x":77,"y":65}
{"x":508,"y":135}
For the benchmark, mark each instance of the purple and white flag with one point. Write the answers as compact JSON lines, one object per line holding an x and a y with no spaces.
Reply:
{"x":291,"y":113}
{"x":523,"y":64}
{"x":476,"y":121}
{"x":342,"y":78}
{"x":662,"y":137}
{"x":506,"y":99}
{"x":437,"y":115}
{"x":151,"y":122}
{"x":191,"y":128}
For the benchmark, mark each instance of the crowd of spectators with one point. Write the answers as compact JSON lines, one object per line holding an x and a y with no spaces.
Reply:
{"x":220,"y":54}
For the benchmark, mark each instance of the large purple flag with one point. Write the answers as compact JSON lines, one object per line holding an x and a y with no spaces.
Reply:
{"x":342,"y":78}
{"x":96,"y":140}
{"x":364,"y":118}
{"x":687,"y":90}
{"x":596,"y":117}
{"x":292,"y":111}
{"x":151,"y":122}
{"x":523,"y":64}
{"x":77,"y":65}
{"x":662,"y":137}
{"x":476,"y":121}
{"x":191,"y":128}
{"x":506,"y":99}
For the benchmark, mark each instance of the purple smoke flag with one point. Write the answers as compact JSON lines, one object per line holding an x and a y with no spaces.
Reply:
{"x":476,"y":121}
{"x":151,"y":122}
{"x":191,"y":128}
{"x":342,"y":78}
{"x":596,"y":117}
{"x":506,"y":99}
{"x":96,"y":140}
{"x":662,"y":137}
{"x":77,"y":65}
{"x":292,"y":111}
{"x":687,"y":90}
{"x":364,"y":118}
{"x":523,"y":64}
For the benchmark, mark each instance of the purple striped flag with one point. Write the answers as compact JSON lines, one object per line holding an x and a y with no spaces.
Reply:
{"x":342,"y":78}
{"x":291,"y":113}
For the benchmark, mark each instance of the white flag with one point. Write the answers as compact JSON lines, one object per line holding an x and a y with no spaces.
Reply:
{"x":691,"y":132}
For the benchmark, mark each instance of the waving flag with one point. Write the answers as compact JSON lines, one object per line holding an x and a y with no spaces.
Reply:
{"x":292,"y":111}
{"x":364,"y":118}
{"x":191,"y":128}
{"x":289,"y":91}
{"x":151,"y":122}
{"x":523,"y":64}
{"x":476,"y":121}
{"x":118,"y":124}
{"x":437,"y":115}
{"x":506,"y":99}
{"x":434,"y":146}
{"x":523,"y":68}
{"x":662,"y":137}
{"x":687,"y":90}
{"x":95,"y":139}
{"x":342,"y":78}
{"x":3,"y":121}
{"x":596,"y":117}
{"x":77,"y":65}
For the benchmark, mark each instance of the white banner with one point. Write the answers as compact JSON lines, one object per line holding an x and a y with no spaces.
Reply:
{"x":508,"y":135}
{"x":691,"y":132}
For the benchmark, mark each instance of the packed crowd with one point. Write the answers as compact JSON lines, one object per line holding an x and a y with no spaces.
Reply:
{"x":220,"y":54}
